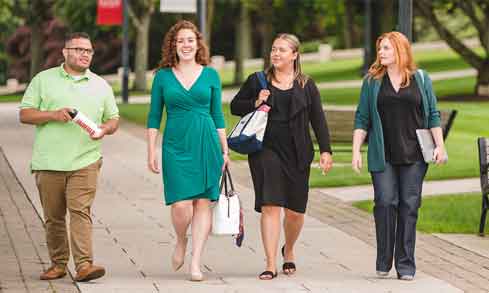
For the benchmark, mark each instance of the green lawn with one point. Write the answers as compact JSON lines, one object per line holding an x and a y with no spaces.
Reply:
{"x":350,"y":96}
{"x":10,"y":98}
{"x":458,"y":213}
{"x":470,"y":123}
{"x":349,"y":69}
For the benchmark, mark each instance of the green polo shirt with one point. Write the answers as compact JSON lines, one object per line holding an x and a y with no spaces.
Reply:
{"x":66,"y":146}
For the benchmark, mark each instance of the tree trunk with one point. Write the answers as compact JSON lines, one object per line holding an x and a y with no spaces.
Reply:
{"x":208,"y":22}
{"x":239,"y":45}
{"x":36,"y":50}
{"x":246,"y":33}
{"x":348,"y":25}
{"x":482,"y":86}
{"x":387,"y":19}
{"x":267,"y":33}
{"x":480,"y":63}
{"x":375,"y":32}
{"x":142,"y":44}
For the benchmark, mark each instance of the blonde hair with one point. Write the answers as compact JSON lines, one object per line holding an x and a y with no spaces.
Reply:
{"x":403,"y":55}
{"x":295,"y":46}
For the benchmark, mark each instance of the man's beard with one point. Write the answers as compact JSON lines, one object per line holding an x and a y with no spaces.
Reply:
{"x":78,"y":68}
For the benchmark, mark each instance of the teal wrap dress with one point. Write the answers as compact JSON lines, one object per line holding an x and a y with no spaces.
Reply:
{"x":191,"y":152}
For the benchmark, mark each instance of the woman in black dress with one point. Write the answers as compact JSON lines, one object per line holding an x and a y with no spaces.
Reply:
{"x":280,"y":172}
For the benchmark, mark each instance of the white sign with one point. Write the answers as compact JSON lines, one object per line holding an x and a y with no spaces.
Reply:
{"x":178,"y":6}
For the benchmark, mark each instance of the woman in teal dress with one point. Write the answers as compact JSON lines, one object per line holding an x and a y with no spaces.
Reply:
{"x":194,"y":150}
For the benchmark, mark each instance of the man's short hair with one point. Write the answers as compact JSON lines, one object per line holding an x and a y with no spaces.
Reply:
{"x":76,"y":35}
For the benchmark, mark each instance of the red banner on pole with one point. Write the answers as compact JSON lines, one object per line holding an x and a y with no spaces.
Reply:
{"x":109,"y":12}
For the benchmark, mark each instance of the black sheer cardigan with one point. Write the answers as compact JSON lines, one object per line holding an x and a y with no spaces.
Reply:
{"x":305,"y":108}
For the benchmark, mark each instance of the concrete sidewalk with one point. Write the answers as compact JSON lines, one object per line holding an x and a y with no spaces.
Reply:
{"x":134,"y":239}
{"x":430,"y":188}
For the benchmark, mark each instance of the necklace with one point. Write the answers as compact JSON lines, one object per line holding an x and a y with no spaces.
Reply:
{"x":285,"y":84}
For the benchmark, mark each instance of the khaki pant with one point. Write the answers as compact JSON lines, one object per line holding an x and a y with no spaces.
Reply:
{"x":73,"y":191}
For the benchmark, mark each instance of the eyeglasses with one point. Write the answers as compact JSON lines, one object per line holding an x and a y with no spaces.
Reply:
{"x":81,"y":51}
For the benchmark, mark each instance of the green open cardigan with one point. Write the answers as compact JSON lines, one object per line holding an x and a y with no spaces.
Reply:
{"x":367,"y":116}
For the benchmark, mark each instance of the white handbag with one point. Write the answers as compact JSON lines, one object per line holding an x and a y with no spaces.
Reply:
{"x":225,"y":214}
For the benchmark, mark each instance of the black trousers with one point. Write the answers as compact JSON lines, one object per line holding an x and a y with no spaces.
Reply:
{"x":397,"y":200}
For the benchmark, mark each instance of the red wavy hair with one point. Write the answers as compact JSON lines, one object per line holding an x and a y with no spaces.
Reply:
{"x":403,"y":55}
{"x":169,"y":57}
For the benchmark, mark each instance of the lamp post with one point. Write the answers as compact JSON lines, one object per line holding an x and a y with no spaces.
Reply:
{"x":367,"y":51}
{"x":201,"y":13}
{"x":125,"y":54}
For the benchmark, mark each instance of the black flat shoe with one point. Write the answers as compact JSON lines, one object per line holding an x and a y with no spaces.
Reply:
{"x":267,"y":275}
{"x":288,"y":267}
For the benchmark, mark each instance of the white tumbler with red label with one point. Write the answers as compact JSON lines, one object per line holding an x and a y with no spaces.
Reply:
{"x":85,"y":122}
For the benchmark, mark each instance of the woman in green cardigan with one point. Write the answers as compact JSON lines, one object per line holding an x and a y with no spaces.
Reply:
{"x":395,"y":100}
{"x":194,"y":150}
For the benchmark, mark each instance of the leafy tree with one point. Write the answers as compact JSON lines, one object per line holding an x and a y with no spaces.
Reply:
{"x":9,"y":21}
{"x":478,"y":12}
{"x":140,"y":13}
{"x":81,"y":16}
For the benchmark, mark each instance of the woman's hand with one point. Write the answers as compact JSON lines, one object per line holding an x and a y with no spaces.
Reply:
{"x":226,"y":159}
{"x":326,"y":162}
{"x":440,"y":155}
{"x":153,"y":164}
{"x":356,"y":161}
{"x":262,"y":97}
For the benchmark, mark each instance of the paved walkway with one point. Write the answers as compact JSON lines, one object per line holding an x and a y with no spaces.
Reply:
{"x":134,"y":239}
{"x":430,"y":188}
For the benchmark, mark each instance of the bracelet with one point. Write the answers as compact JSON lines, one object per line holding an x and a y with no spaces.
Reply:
{"x":225,"y":153}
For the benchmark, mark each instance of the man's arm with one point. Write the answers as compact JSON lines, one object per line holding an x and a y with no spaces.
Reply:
{"x":110,"y":126}
{"x":36,"y":117}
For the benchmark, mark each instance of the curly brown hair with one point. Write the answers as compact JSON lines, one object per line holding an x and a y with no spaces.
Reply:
{"x":169,"y":57}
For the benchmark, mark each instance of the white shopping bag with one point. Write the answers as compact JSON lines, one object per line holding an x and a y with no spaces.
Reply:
{"x":226,"y":211}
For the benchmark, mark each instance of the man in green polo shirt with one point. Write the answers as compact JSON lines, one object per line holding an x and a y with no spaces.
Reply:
{"x":66,"y":159}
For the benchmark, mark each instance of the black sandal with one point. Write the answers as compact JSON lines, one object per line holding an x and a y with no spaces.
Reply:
{"x":268,"y":274}
{"x":288,"y":267}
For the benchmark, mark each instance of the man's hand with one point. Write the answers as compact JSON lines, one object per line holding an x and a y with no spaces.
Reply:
{"x":103,"y":131}
{"x":61,"y":115}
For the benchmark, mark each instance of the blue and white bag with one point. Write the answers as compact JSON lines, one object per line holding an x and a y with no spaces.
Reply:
{"x":247,"y":136}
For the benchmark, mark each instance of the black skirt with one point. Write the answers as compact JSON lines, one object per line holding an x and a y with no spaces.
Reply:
{"x":276,"y":177}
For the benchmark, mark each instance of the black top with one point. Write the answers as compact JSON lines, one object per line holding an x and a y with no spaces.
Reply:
{"x":278,"y":136}
{"x":281,"y":106}
{"x":305,"y":109}
{"x":401,"y":114}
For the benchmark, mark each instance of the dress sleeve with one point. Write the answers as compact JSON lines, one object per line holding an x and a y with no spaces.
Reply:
{"x":216,"y":101}
{"x":362,"y":114}
{"x":244,"y":101}
{"x":434,"y":114}
{"x":157,"y":102}
{"x":318,"y":120}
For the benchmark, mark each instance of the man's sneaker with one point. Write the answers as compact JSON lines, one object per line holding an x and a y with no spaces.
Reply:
{"x":54,"y":272}
{"x":406,"y":277}
{"x":382,"y":274}
{"x":87,"y":272}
